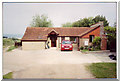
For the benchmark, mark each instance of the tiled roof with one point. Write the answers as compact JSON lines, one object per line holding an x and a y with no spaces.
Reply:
{"x":87,"y":31}
{"x":41,"y":33}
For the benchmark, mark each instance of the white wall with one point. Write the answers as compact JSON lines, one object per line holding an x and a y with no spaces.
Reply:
{"x":67,"y":38}
{"x":58,"y":42}
{"x":82,"y":42}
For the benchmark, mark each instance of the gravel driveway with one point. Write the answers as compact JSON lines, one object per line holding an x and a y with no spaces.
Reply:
{"x":50,"y":63}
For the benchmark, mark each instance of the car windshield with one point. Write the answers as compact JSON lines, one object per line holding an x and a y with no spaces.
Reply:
{"x":66,"y":42}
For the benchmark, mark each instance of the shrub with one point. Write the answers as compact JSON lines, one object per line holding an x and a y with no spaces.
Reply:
{"x":96,"y":43}
{"x":81,"y":48}
{"x":86,"y":47}
{"x":92,"y":49}
{"x":90,"y":46}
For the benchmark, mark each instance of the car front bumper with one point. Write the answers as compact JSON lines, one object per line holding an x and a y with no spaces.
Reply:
{"x":62,"y":49}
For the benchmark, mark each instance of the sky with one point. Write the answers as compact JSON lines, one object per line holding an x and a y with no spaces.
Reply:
{"x":18,"y":16}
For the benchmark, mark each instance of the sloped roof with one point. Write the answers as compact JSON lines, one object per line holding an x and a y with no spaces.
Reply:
{"x":87,"y":31}
{"x":41,"y":33}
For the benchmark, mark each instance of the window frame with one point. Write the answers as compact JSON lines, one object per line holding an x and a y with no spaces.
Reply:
{"x":91,"y":36}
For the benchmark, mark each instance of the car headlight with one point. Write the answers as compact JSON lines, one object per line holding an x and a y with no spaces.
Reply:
{"x":70,"y":46}
{"x":62,"y":46}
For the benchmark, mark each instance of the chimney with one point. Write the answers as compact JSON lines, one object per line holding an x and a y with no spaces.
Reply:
{"x":103,"y":37}
{"x":101,"y":28}
{"x":103,"y":42}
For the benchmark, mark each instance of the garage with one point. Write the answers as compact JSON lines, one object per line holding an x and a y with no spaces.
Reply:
{"x":33,"y":45}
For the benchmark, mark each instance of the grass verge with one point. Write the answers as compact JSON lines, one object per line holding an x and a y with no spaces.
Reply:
{"x":11,"y":48}
{"x":8,"y":76}
{"x":84,"y":50}
{"x":7,"y":42}
{"x":103,"y":70}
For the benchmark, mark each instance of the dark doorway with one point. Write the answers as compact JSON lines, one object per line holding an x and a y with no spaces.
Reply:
{"x":53,"y":38}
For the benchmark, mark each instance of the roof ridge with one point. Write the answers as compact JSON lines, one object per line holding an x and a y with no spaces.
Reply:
{"x":58,"y":27}
{"x":97,"y":24}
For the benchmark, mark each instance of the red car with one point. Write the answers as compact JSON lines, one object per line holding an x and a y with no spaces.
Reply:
{"x":66,"y":45}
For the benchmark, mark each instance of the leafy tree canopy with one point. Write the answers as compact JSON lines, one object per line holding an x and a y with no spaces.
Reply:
{"x":87,"y":22}
{"x":41,"y":21}
{"x":68,"y":24}
{"x":101,"y":18}
{"x":111,"y":32}
{"x":111,"y":36}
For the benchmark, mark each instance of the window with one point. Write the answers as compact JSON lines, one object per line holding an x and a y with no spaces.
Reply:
{"x":62,"y":38}
{"x":73,"y":39}
{"x":66,"y":42}
{"x":91,"y":37}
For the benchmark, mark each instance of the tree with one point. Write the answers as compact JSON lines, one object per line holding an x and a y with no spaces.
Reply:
{"x":111,"y":36}
{"x":68,"y":24}
{"x":41,"y":21}
{"x":85,"y":22}
{"x":101,"y":18}
{"x":75,"y":24}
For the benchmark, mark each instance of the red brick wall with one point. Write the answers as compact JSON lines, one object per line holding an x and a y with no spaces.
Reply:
{"x":103,"y":42}
{"x":95,"y":32}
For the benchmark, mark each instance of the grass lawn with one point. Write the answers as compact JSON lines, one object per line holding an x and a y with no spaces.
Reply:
{"x":103,"y":70}
{"x":8,"y":76}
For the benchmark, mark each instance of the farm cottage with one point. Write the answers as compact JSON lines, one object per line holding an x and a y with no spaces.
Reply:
{"x":47,"y":37}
